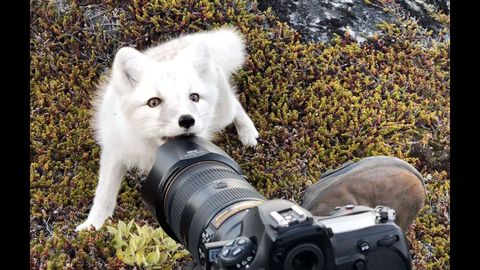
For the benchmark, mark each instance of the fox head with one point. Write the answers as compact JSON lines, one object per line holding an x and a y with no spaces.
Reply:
{"x":161,"y":100}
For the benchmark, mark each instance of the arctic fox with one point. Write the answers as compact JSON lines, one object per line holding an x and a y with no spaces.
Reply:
{"x":178,"y":87}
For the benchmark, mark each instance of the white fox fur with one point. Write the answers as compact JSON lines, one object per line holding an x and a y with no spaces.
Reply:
{"x":129,"y":126}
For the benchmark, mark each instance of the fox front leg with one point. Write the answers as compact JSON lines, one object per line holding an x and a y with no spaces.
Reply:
{"x":112,"y":172}
{"x":246,"y":130}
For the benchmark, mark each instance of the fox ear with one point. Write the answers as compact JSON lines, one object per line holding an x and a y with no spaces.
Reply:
{"x":201,"y":59}
{"x":129,"y":63}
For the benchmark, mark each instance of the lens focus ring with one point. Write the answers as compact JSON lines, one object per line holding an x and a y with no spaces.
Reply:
{"x":198,"y":193}
{"x":184,"y":187}
{"x":213,"y":206}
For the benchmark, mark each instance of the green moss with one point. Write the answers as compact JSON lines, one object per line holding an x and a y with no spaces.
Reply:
{"x":315,"y":105}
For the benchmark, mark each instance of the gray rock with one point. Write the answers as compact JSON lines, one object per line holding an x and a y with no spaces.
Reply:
{"x":319,"y":20}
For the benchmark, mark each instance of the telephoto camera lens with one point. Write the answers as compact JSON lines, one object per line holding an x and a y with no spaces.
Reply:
{"x":191,"y":181}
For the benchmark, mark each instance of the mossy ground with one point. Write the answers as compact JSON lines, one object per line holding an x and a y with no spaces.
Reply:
{"x":315,"y":106}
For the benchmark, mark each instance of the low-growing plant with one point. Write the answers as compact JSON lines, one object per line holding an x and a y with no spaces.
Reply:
{"x":145,"y":246}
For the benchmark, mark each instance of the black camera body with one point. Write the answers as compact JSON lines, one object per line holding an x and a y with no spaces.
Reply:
{"x":201,"y":198}
{"x":279,"y":234}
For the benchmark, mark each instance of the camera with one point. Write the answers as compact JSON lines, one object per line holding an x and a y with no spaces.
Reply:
{"x":202,"y":199}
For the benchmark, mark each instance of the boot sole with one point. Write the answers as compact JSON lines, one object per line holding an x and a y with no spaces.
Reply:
{"x":331,"y":176}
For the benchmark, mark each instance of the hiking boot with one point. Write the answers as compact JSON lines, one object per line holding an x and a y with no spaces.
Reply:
{"x":372,"y":181}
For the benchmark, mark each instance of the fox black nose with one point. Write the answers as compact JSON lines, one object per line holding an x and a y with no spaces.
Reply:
{"x":186,"y":121}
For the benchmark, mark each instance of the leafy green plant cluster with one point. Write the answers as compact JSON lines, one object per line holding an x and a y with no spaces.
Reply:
{"x":315,"y":105}
{"x":145,"y":246}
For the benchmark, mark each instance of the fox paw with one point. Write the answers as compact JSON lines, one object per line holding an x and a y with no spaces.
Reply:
{"x":248,"y":137}
{"x":89,"y":224}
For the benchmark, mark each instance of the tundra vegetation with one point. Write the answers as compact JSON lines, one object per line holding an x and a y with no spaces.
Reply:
{"x":315,"y":104}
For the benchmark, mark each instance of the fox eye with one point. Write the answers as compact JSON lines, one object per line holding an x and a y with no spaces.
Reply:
{"x":154,"y":102}
{"x":194,"y":97}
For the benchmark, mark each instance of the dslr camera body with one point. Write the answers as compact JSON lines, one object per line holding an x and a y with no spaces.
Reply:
{"x":201,"y":199}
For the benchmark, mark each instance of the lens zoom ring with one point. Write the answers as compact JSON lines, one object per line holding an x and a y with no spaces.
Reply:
{"x":186,"y":187}
{"x":213,"y":205}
